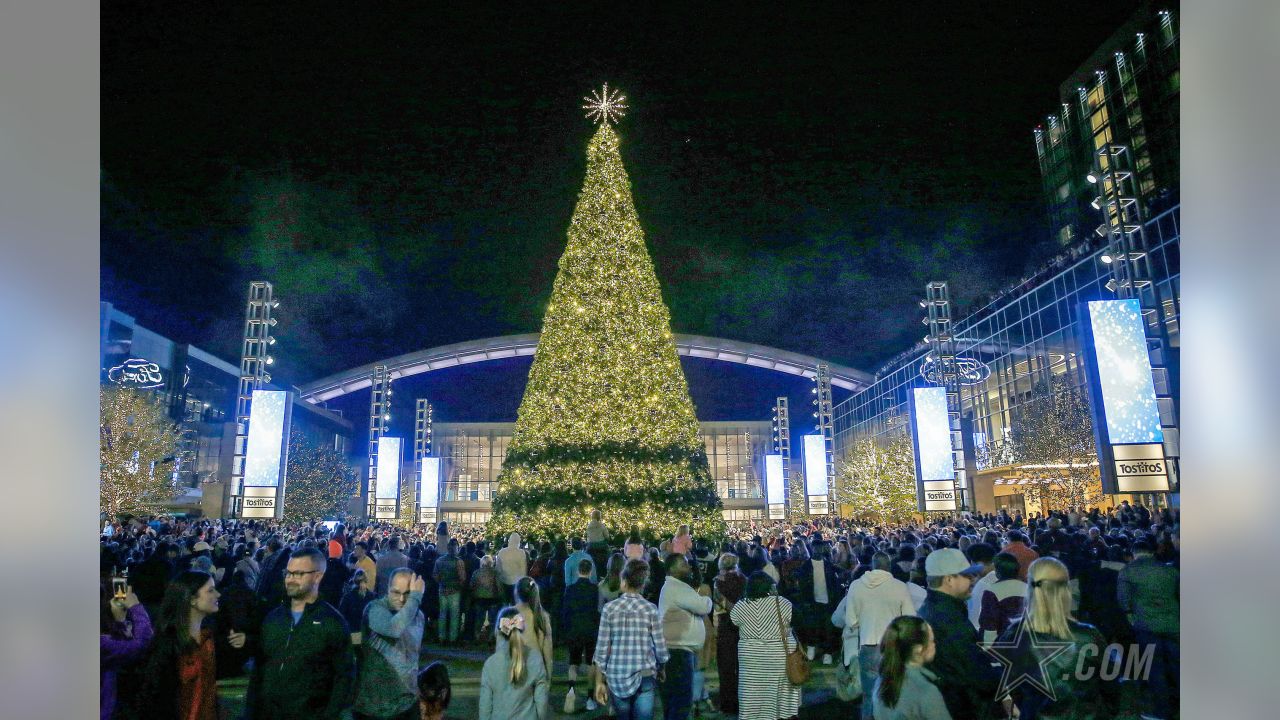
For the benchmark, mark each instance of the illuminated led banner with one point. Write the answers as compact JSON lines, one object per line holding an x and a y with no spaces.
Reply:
{"x":428,"y":490}
{"x":387,"y":492}
{"x":266,"y":454}
{"x":815,"y":474}
{"x":1126,"y":420}
{"x":775,"y":491}
{"x":931,"y":442}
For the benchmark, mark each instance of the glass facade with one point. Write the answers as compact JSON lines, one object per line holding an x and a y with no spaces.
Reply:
{"x":199,"y":390}
{"x":472,"y":455}
{"x":1127,"y":93}
{"x":1026,"y":338}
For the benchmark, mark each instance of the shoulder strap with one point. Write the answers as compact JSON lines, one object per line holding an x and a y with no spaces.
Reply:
{"x":782,"y":631}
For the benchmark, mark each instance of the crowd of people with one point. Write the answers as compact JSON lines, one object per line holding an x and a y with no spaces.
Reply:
{"x":329,"y":620}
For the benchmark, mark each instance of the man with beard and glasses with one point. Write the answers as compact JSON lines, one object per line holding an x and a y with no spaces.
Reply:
{"x":304,"y":666}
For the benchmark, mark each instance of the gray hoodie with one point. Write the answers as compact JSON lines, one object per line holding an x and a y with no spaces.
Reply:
{"x":512,"y":561}
{"x":500,"y":700}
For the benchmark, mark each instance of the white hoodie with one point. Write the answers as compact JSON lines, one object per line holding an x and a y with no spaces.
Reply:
{"x":874,"y":600}
{"x":512,"y":561}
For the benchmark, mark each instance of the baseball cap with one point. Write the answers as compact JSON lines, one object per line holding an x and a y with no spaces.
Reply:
{"x":201,"y":547}
{"x":949,"y":561}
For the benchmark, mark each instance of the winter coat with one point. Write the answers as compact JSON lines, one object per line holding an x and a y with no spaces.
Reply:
{"x":1074,"y":675}
{"x":579,"y":611}
{"x":1148,"y":590}
{"x":302,"y":671}
{"x":966,"y":678}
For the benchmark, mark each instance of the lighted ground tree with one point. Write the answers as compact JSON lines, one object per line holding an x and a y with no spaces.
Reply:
{"x":876,"y":480}
{"x":606,"y":421}
{"x":318,"y":483}
{"x":797,"y":503}
{"x":135,"y":440}
{"x":1053,"y":446}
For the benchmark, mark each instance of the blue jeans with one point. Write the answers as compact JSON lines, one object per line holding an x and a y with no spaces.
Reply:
{"x":868,"y":672}
{"x":638,"y":706}
{"x":450,"y":615}
{"x":677,"y":685}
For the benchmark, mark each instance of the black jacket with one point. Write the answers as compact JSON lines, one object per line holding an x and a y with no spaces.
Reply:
{"x":1074,"y":676}
{"x":579,"y":616}
{"x":302,"y":671}
{"x":965,"y":676}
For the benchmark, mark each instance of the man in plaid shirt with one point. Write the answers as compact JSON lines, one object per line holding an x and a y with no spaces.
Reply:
{"x":630,"y":648}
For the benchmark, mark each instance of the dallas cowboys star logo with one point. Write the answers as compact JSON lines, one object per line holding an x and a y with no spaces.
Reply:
{"x":1020,"y":663}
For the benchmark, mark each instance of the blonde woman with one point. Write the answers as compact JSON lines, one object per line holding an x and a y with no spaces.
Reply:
{"x":514,"y":683}
{"x":1046,"y":625}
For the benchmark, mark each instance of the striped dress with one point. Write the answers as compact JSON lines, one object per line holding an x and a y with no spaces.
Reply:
{"x":764,"y":693}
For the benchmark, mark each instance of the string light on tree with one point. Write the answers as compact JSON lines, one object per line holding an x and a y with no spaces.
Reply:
{"x":606,"y":421}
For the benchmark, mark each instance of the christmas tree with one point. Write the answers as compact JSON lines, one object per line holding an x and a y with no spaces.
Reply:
{"x":606,"y":421}
{"x":135,"y":439}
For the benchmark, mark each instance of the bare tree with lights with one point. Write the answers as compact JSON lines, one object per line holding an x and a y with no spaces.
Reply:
{"x":136,"y":438}
{"x":876,"y":479}
{"x":606,"y":421}
{"x":1053,"y":446}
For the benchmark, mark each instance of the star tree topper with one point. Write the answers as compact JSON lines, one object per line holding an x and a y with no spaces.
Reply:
{"x":604,"y":107}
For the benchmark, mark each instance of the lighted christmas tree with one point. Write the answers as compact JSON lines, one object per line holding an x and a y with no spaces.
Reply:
{"x":606,"y":421}
{"x":135,"y":439}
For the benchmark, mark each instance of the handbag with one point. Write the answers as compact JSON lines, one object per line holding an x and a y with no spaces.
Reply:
{"x":796,"y":661}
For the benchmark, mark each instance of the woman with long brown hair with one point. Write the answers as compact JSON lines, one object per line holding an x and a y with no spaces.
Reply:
{"x":905,"y":689}
{"x":182,"y":672}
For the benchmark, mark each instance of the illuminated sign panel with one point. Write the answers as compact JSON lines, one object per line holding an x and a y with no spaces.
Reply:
{"x":1124,"y":372}
{"x":775,"y":490}
{"x":815,"y":474}
{"x":815,"y":465}
{"x":774,"y":482}
{"x":428,"y":489}
{"x":266,"y":454}
{"x":1127,"y":426}
{"x":931,"y":438}
{"x":266,"y":443}
{"x":388,"y":487}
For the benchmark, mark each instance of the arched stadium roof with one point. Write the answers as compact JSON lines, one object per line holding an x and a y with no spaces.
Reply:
{"x":509,"y":346}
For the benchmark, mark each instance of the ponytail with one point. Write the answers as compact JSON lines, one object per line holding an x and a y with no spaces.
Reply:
{"x":527,"y":593}
{"x":902,"y":636}
{"x":512,"y":631}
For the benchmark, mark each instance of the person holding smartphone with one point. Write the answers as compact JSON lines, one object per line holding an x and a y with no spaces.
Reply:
{"x":125,"y":636}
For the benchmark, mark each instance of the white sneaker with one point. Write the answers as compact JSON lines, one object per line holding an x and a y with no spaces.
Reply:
{"x":809,"y":652}
{"x":826,"y":658}
{"x":591,"y":704}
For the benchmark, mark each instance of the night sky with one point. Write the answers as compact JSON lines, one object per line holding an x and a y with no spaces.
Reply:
{"x":406,"y":179}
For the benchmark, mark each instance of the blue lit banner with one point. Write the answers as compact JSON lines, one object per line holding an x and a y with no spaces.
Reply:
{"x":266,"y":454}
{"x":1124,"y":372}
{"x":387,"y":491}
{"x":815,"y":474}
{"x":428,"y":489}
{"x":774,"y":482}
{"x":934,"y":455}
{"x":775,"y":488}
{"x":1126,"y":417}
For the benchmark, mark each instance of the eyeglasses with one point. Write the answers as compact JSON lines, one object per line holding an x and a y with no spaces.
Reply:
{"x":298,"y":574}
